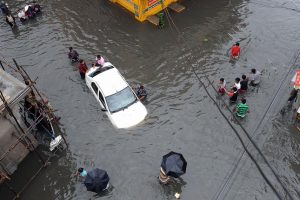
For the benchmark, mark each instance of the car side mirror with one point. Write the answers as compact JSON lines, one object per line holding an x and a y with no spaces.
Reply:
{"x":103,"y":109}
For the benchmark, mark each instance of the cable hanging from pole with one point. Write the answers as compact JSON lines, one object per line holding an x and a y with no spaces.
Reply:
{"x":259,"y":124}
{"x":237,"y":133}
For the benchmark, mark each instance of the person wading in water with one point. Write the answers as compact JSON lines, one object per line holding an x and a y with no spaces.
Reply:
{"x":235,"y":51}
{"x":82,"y":68}
{"x":242,"y":109}
{"x":73,"y":55}
{"x":163,"y":178}
{"x":233,"y":95}
{"x":10,"y":19}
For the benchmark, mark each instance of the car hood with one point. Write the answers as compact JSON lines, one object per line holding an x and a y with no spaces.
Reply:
{"x":130,"y":116}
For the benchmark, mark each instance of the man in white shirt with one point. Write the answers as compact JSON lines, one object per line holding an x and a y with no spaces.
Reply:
{"x":254,"y":77}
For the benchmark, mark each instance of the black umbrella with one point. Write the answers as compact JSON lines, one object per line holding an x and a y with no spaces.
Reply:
{"x":96,"y":180}
{"x":174,"y":164}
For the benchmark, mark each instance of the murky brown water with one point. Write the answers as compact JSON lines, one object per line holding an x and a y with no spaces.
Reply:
{"x":181,"y":116}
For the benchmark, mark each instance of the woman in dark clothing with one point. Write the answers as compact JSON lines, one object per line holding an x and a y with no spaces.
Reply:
{"x":4,"y":8}
{"x":244,"y":84}
{"x":142,"y":93}
{"x":36,"y":7}
{"x":233,"y":95}
{"x":73,"y":55}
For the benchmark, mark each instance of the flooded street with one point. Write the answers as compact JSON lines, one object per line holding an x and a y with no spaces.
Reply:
{"x":181,"y":116}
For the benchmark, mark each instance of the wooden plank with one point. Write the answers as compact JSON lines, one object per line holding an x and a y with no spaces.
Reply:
{"x":176,"y":7}
{"x":153,"y":20}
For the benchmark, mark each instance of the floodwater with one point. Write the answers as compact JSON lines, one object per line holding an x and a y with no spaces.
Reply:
{"x":181,"y":115}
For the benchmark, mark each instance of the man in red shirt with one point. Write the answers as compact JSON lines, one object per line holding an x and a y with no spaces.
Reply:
{"x":82,"y":68}
{"x":235,"y":51}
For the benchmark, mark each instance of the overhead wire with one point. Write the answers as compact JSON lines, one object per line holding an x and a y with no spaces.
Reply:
{"x":235,"y":166}
{"x":240,"y":138}
{"x":260,"y":122}
{"x":247,"y":134}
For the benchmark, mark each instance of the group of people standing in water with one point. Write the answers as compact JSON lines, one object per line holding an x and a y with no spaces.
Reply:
{"x":29,"y":11}
{"x":83,"y":68}
{"x":73,"y":55}
{"x":240,"y":86}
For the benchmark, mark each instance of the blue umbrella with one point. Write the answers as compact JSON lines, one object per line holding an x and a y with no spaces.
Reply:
{"x":174,"y":164}
{"x":96,"y":180}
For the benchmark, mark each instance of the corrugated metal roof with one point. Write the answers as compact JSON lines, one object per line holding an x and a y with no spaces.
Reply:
{"x":12,"y":89}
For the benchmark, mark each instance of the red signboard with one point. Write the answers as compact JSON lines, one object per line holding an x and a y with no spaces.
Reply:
{"x":297,"y":81}
{"x":151,"y":2}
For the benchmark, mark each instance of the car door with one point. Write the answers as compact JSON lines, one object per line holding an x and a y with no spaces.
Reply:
{"x":95,"y":91}
{"x":101,"y":99}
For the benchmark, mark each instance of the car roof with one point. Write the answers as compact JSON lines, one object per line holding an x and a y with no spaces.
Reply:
{"x":110,"y":82}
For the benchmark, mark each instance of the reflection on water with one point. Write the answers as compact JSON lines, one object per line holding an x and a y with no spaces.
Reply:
{"x":181,"y":116}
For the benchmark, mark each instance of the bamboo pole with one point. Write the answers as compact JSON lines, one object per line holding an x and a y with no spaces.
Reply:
{"x":2,"y":65}
{"x":19,"y":126}
{"x":39,"y":94}
{"x":33,"y":177}
{"x":24,"y":133}
{"x":19,"y":139}
{"x":27,"y":77}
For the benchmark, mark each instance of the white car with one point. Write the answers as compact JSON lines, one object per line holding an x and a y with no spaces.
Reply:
{"x":115,"y":96}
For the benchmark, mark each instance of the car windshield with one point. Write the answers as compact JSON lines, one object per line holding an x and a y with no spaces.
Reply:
{"x":100,"y":70}
{"x":120,"y":100}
